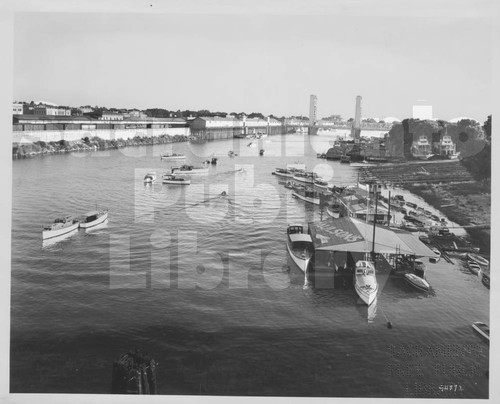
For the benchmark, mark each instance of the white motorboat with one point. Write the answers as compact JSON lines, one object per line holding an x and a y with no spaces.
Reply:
{"x":61,"y":225}
{"x":305,"y":177}
{"x":175,"y":180}
{"x":474,"y":267}
{"x":417,"y":282}
{"x":299,"y":245}
{"x":190,"y":170}
{"x":365,"y":281}
{"x":482,"y":329}
{"x":93,"y":218}
{"x":173,"y":156}
{"x":478,"y":259}
{"x":307,"y":195}
{"x":149,"y":178}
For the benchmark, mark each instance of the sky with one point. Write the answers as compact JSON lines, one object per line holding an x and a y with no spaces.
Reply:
{"x":269,"y":58}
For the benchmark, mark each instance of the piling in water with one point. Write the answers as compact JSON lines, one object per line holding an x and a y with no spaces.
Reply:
{"x":134,"y":373}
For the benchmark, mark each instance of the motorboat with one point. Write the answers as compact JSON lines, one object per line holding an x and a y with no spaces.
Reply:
{"x":290,"y":170}
{"x":61,"y":225}
{"x":478,"y":259}
{"x":321,"y":183}
{"x":300,"y":246}
{"x":175,"y":180}
{"x":417,"y":282}
{"x":482,"y":329}
{"x":188,"y":169}
{"x":334,"y":210}
{"x":365,"y":281}
{"x":307,"y":195}
{"x":173,"y":156}
{"x":437,"y":257}
{"x":93,"y":218}
{"x":149,"y":178}
{"x":306,"y":177}
{"x":473,"y":267}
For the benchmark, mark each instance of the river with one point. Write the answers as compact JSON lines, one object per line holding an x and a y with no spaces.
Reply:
{"x":202,"y":282}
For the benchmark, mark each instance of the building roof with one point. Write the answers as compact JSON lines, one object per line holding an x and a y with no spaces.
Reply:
{"x":31,"y":118}
{"x":348,"y":234}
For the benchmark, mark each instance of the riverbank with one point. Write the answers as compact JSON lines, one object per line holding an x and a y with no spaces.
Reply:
{"x":25,"y":150}
{"x":468,"y":204}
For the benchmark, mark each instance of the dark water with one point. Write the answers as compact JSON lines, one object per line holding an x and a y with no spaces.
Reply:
{"x":204,"y":285}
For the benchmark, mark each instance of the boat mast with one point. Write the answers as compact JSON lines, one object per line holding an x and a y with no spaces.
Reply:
{"x":374,"y":221}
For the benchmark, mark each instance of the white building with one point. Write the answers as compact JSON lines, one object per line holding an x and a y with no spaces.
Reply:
{"x":17,"y":109}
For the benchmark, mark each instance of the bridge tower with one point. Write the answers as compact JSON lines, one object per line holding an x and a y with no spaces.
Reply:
{"x":356,"y":126}
{"x":313,"y":111}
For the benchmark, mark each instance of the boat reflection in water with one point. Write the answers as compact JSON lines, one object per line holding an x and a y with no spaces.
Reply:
{"x":372,"y":311}
{"x":55,"y":240}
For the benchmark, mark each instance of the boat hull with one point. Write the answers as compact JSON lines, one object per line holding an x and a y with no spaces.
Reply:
{"x":367,"y":297}
{"x":417,"y":282}
{"x":478,"y":259}
{"x":300,"y":262}
{"x":48,"y":234}
{"x":96,"y":222}
{"x":170,"y":182}
{"x":334,"y":214}
{"x":314,"y":201}
{"x":196,"y":171}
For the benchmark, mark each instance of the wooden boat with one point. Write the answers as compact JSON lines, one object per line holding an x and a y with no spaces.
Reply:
{"x":478,"y":259}
{"x":190,"y":170}
{"x":173,"y":156}
{"x":482,"y":329}
{"x":300,"y":246}
{"x":305,"y":177}
{"x":321,"y":183}
{"x":334,"y":210}
{"x":174,"y":180}
{"x":307,"y":195}
{"x":365,"y":281}
{"x":417,"y":282}
{"x":485,"y":279}
{"x":93,"y":218}
{"x":473,"y":267}
{"x":437,"y":257}
{"x":149,"y":178}
{"x":61,"y":225}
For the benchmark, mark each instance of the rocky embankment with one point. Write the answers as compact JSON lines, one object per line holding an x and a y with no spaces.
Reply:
{"x":25,"y":150}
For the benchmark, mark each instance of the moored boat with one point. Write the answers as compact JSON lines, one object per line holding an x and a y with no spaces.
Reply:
{"x":478,"y":259}
{"x":300,"y":246}
{"x":149,"y":178}
{"x":482,"y":329}
{"x":175,"y":180}
{"x":172,"y":156}
{"x":365,"y":281}
{"x":485,"y":279}
{"x":189,"y":169}
{"x":334,"y":210}
{"x":417,"y":282}
{"x":321,"y":183}
{"x":307,"y":195}
{"x":61,"y":225}
{"x":305,"y":177}
{"x":93,"y":218}
{"x":473,"y":267}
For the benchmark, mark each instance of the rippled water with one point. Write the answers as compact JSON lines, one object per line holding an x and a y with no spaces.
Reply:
{"x":203,"y":283}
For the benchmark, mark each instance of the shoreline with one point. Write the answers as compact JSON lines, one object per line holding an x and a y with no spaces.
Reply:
{"x":40,"y":148}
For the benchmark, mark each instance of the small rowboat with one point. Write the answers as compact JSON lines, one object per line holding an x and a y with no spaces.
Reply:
{"x":473,"y":267}
{"x":482,"y":329}
{"x":417,"y":282}
{"x":478,"y":259}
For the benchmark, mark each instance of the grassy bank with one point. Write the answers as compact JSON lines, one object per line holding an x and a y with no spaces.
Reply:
{"x":89,"y":144}
{"x":464,"y":203}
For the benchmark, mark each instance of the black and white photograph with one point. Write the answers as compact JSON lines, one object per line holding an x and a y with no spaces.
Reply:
{"x":263,"y":200}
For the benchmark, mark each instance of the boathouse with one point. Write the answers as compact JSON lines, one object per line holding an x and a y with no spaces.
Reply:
{"x":339,"y":243}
